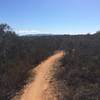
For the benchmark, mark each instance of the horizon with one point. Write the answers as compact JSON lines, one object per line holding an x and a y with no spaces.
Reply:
{"x":32,"y":32}
{"x":51,"y":16}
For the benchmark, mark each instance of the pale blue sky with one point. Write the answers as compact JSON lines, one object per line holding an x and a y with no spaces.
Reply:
{"x":51,"y":16}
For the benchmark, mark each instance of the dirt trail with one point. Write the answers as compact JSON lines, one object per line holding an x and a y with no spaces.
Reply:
{"x":44,"y":85}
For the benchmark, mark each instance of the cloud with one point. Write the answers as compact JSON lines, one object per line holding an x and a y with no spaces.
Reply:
{"x":34,"y":32}
{"x":26,"y":32}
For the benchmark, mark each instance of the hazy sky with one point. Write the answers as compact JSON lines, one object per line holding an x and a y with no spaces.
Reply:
{"x":52,"y":16}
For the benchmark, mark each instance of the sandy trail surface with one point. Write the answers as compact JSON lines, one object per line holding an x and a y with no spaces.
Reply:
{"x":43,"y":87}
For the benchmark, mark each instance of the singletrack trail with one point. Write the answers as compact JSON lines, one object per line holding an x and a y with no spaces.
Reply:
{"x":44,"y":86}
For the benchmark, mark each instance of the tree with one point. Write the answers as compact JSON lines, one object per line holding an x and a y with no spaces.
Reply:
{"x":5,"y":29}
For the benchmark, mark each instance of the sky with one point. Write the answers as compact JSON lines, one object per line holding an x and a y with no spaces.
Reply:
{"x":51,"y":16}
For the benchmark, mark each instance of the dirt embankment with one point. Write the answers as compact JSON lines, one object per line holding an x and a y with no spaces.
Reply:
{"x":44,"y":86}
